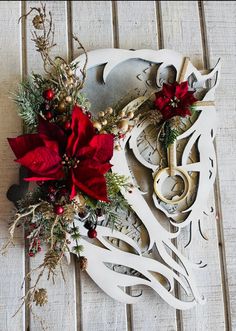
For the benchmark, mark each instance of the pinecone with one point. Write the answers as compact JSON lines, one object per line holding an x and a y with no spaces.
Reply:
{"x":40,"y":297}
{"x":154,"y":116}
{"x":38,"y":21}
{"x":83,"y":263}
{"x":51,"y":259}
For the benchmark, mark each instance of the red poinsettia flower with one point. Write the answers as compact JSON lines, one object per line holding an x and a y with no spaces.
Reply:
{"x":82,"y":158}
{"x":174,"y":100}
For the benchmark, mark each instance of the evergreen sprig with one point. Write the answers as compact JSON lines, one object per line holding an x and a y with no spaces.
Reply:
{"x":170,"y":135}
{"x":29,"y":99}
{"x":115,"y":182}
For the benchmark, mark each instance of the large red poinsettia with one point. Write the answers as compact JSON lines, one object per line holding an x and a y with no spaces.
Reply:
{"x":174,"y":100}
{"x":81,"y":159}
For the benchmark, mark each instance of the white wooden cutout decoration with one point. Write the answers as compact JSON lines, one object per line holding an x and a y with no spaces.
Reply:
{"x":158,"y":264}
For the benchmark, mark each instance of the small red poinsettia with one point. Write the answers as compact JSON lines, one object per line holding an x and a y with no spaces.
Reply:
{"x":174,"y":100}
{"x":81,"y":159}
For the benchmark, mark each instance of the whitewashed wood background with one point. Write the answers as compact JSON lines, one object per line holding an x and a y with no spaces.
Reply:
{"x":203,"y":30}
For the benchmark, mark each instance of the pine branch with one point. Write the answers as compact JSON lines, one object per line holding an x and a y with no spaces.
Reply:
{"x":29,"y":98}
{"x":170,"y":135}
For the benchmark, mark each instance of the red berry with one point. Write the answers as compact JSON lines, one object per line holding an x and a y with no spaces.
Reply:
{"x":31,"y":254}
{"x":39,"y":249}
{"x":92,"y":233}
{"x":67,"y":125}
{"x":121,"y":135}
{"x":48,"y":115}
{"x":48,"y":94}
{"x":58,"y":209}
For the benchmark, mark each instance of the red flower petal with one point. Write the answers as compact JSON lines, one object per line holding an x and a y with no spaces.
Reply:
{"x":161,"y":101}
{"x":103,"y":146}
{"x":168,"y":90}
{"x":86,"y":152}
{"x":58,"y":175}
{"x":167,"y":112}
{"x":189,"y":98}
{"x":23,"y":144}
{"x":42,"y":161}
{"x":90,"y":182}
{"x":181,"y":90}
{"x":82,"y":131}
{"x":52,"y":131}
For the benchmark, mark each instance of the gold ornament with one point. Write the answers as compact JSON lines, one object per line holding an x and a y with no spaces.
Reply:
{"x":63,"y":94}
{"x":97,"y":125}
{"x":118,"y":147}
{"x":104,"y":122}
{"x":61,"y":107}
{"x":70,"y":72}
{"x":69,"y":81}
{"x":101,"y":114}
{"x":123,"y":125}
{"x":122,"y":114}
{"x":109,"y":110}
{"x":68,"y":99}
{"x":130,"y":115}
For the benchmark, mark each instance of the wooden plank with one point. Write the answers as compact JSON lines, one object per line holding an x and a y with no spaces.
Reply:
{"x":137,"y":28}
{"x":136,"y":24}
{"x":220,"y":24}
{"x":60,"y":312}
{"x":182,"y":32}
{"x":92,"y":22}
{"x":12,"y":264}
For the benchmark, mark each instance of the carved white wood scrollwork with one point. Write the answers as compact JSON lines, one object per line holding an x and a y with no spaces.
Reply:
{"x":155,"y":262}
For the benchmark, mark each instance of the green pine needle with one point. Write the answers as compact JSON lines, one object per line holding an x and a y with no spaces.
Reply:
{"x":170,"y":135}
{"x":29,"y":98}
{"x":78,"y":249}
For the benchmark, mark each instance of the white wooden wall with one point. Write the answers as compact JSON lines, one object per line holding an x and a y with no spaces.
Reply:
{"x":203,"y":30}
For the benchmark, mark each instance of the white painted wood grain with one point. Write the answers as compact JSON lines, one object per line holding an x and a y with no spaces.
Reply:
{"x":220,"y":23}
{"x":60,"y":312}
{"x":182,"y":32}
{"x":12,"y":264}
{"x":136,"y":24}
{"x":92,"y":22}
